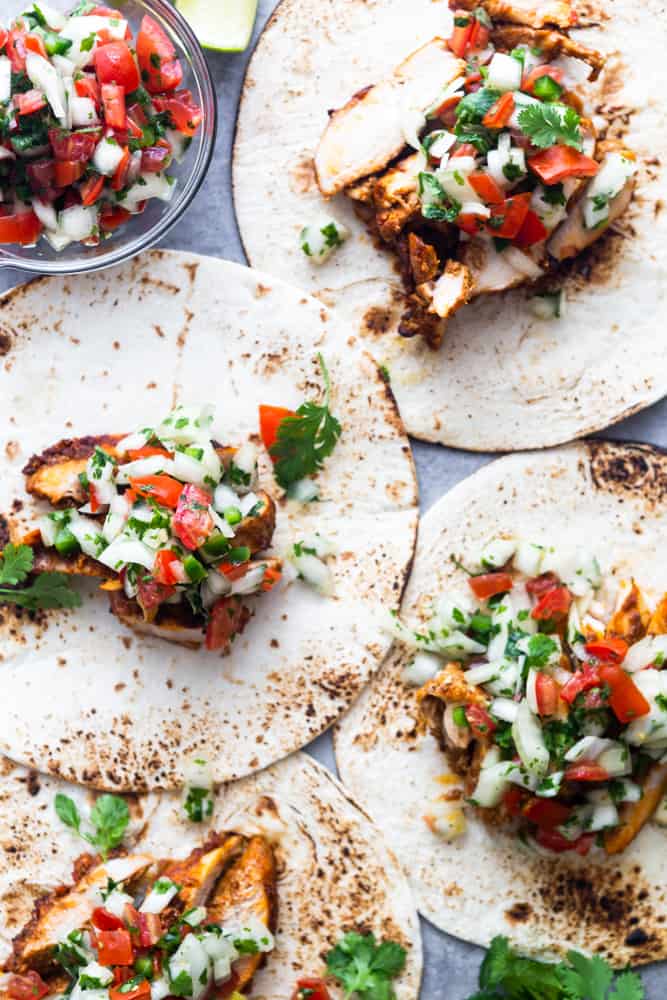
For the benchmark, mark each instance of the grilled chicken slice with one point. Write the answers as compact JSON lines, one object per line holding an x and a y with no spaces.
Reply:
{"x":450,"y":291}
{"x":635,"y":815}
{"x":396,"y":197}
{"x":367,"y":133}
{"x":247,"y":890}
{"x":176,"y":622}
{"x":200,"y":871}
{"x":658,"y":622}
{"x":552,"y":44}
{"x":632,"y":619}
{"x":60,"y":914}
{"x":533,"y":13}
{"x":572,"y":236}
{"x":424,"y":260}
{"x":54,"y":475}
{"x":492,"y":271}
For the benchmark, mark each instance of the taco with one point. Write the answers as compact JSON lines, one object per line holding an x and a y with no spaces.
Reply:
{"x":266,"y":531}
{"x":498,"y":146}
{"x":247,"y":903}
{"x":523,"y":714}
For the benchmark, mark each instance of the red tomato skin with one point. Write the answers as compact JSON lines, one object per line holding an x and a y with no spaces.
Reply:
{"x":513,"y":801}
{"x":499,"y":115}
{"x":112,"y":218}
{"x":546,"y":813}
{"x":30,"y":986}
{"x":155,"y":159}
{"x":559,"y":162}
{"x":485,"y":186}
{"x":16,"y":50}
{"x":68,"y":172}
{"x":510,"y":217}
{"x":92,"y":189}
{"x":489,"y":584}
{"x":553,"y":605}
{"x":77,"y":146}
{"x":586,"y":771}
{"x":119,"y":179}
{"x":539,"y":585}
{"x":546,"y":691}
{"x":317,"y":989}
{"x":625,"y":699}
{"x":458,"y":43}
{"x":556,"y":842}
{"x":30,"y":102}
{"x":164,"y":489}
{"x":480,"y":721}
{"x":23,"y":228}
{"x":168,"y":568}
{"x":608,"y":650}
{"x":160,"y":69}
{"x":228,"y":618}
{"x":270,"y":419}
{"x":114,"y":948}
{"x":139,"y":992}
{"x":581,"y":680}
{"x":186,"y":115}
{"x":192,"y":522}
{"x":114,"y":63}
{"x":103,"y":920}
{"x":88,"y":87}
{"x":532,"y":231}
{"x":113,"y":101}
{"x":536,"y":74}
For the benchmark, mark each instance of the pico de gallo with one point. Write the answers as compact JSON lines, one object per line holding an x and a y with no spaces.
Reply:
{"x":172,"y":521}
{"x":91,"y":119}
{"x":551,"y":702}
{"x":135,"y":928}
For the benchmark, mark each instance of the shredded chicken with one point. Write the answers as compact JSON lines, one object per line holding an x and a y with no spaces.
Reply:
{"x":551,"y":43}
{"x":635,"y":815}
{"x":632,"y":619}
{"x":534,"y":13}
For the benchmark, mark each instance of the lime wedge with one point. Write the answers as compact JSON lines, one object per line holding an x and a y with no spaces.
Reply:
{"x":222,"y":25}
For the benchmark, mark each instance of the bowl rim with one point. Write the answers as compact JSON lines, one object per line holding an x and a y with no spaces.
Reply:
{"x":188,"y":41}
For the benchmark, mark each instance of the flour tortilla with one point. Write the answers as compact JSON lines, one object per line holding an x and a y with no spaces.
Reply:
{"x":503,"y":379}
{"x":297,"y":805}
{"x":82,"y":696}
{"x":612,"y":499}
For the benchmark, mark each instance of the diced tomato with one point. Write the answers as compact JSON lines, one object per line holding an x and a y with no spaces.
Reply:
{"x":546,"y":813}
{"x":458,"y":43}
{"x":532,"y":231}
{"x":485,"y":186}
{"x":78,"y":146}
{"x":119,"y":179}
{"x":192,"y":522}
{"x":539,"y":585}
{"x":68,"y":172}
{"x":270,"y":419}
{"x":4,"y":35}
{"x":185,"y":114}
{"x":608,"y":650}
{"x":160,"y":68}
{"x":155,"y":159}
{"x":508,"y":218}
{"x":31,"y":986}
{"x":88,"y":87}
{"x":31,"y":101}
{"x":557,"y":163}
{"x":93,"y":499}
{"x":479,"y":36}
{"x":556,"y":842}
{"x":169,"y":568}
{"x":113,"y":101}
{"x":106,"y":921}
{"x":554,"y":605}
{"x":150,"y":929}
{"x":470,"y":224}
{"x":480,"y":721}
{"x":586,"y":771}
{"x":23,"y":228}
{"x":137,"y":454}
{"x":16,"y":50}
{"x":513,"y":800}
{"x":234,"y":571}
{"x":546,"y":693}
{"x":582,"y":680}
{"x":465,"y":149}
{"x":91,"y":190}
{"x":228,"y":618}
{"x":537,"y":73}
{"x":490,"y":584}
{"x":272,"y":576}
{"x":311,"y":989}
{"x":163,"y":489}
{"x":137,"y":114}
{"x":114,"y":63}
{"x":473,"y":82}
{"x":500,"y":113}
{"x":133,"y":130}
{"x":151,"y":595}
{"x":115,"y":948}
{"x":41,"y":175}
{"x":143,"y":989}
{"x":112,"y":217}
{"x":625,"y":699}
{"x":34,"y":43}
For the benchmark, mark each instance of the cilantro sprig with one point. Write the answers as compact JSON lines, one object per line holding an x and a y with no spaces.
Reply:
{"x":48,"y":590}
{"x":365,"y":967}
{"x":504,"y":975}
{"x":550,"y":125}
{"x":109,"y":818}
{"x":307,"y":439}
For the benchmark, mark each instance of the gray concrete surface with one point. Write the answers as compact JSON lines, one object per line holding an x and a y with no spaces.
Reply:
{"x":450,"y":968}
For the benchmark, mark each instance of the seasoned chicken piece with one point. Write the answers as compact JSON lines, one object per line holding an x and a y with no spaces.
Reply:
{"x":367,"y":133}
{"x":248,"y":890}
{"x":552,"y":44}
{"x":424,"y":259}
{"x":200,"y":871}
{"x":176,"y":622}
{"x":631,"y":620}
{"x":419,"y":321}
{"x":396,"y":197}
{"x":573,"y":236}
{"x":54,"y":475}
{"x":492,"y":271}
{"x":257,"y":531}
{"x":532,"y":13}
{"x":60,"y":914}
{"x":363,"y":191}
{"x":449,"y":687}
{"x":450,"y":291}
{"x":658,"y":622}
{"x":635,"y":815}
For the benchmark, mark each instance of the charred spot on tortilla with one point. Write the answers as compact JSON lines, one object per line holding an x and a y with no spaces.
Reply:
{"x":640,"y":470}
{"x":5,"y":343}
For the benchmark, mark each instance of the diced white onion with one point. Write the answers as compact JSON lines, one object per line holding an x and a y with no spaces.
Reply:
{"x":604,"y":816}
{"x":522,"y":263}
{"x":528,"y":558}
{"x":160,"y":896}
{"x":150,"y":466}
{"x":45,"y":212}
{"x":224,"y":497}
{"x":303,"y":491}
{"x":482,"y":673}
{"x":124,"y":550}
{"x":441,"y":143}
{"x":116,"y":901}
{"x":108,"y":155}
{"x":504,"y":709}
{"x":84,"y":112}
{"x":315,"y":572}
{"x":491,"y":785}
{"x":45,"y":77}
{"x":504,"y":72}
{"x":421,"y":669}
{"x":645,"y":652}
{"x":527,"y":734}
{"x":616,"y":760}
{"x":251,"y":582}
{"x":588,"y":748}
{"x":149,"y":186}
{"x":78,"y":222}
{"x":498,"y":552}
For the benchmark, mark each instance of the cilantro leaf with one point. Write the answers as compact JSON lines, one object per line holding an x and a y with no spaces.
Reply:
{"x":109,"y":817}
{"x":472,"y":108}
{"x":628,"y":987}
{"x":588,"y":977}
{"x":305,"y":440}
{"x":436,"y":204}
{"x":551,"y":124}
{"x":366,"y":968}
{"x":15,"y":565}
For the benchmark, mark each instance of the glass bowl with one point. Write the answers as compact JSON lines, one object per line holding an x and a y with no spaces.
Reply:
{"x":142,"y":231}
